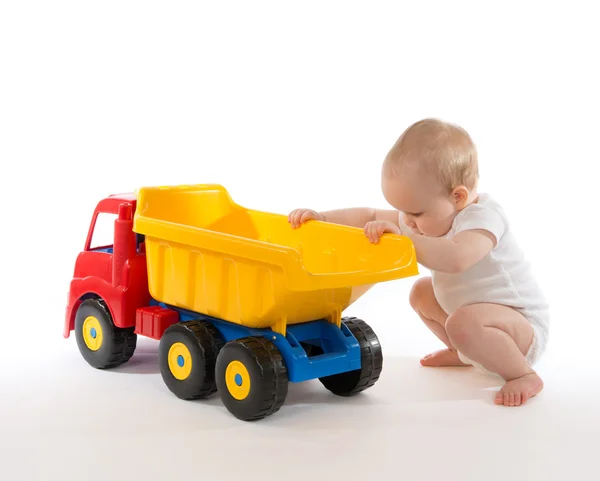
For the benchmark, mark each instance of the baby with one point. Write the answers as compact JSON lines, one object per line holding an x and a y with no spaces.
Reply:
{"x":481,"y":300}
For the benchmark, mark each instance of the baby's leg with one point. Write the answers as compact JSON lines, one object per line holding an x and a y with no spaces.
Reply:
{"x":497,"y":337}
{"x":423,"y":301}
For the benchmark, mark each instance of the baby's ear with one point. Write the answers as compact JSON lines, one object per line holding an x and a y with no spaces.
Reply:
{"x":460,"y":196}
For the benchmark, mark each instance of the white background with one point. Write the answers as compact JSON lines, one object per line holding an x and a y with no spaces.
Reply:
{"x":291,"y":104}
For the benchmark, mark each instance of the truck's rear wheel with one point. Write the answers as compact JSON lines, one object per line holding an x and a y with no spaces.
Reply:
{"x":100,"y":343}
{"x":187,"y":356}
{"x":353,"y":382}
{"x":252,"y":378}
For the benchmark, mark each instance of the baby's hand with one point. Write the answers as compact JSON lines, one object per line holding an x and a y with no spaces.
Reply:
{"x":300,"y":216}
{"x":375,"y":229}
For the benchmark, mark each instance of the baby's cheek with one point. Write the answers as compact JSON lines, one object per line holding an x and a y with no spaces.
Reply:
{"x":441,"y":228}
{"x":423,"y":225}
{"x":429,"y":227}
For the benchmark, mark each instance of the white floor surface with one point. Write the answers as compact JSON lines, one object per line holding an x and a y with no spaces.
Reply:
{"x":63,"y":420}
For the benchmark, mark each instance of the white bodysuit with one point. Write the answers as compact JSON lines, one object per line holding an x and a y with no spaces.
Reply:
{"x":503,"y":276}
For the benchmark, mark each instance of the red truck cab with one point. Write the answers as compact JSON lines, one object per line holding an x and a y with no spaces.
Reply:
{"x":114,"y":274}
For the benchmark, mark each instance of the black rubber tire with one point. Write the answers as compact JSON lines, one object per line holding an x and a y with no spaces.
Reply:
{"x":118,"y":345}
{"x":267,"y":373}
{"x":354,"y":382}
{"x":204,"y":342}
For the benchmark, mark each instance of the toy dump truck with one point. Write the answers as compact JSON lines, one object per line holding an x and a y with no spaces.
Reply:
{"x":240,"y":302}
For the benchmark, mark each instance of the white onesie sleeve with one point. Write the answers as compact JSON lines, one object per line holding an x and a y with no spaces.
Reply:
{"x":481,"y":217}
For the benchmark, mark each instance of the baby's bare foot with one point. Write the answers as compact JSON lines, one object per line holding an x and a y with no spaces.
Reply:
{"x":445,"y":357}
{"x":518,"y":391}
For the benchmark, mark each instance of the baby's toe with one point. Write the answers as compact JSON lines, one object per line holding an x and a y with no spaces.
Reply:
{"x":499,"y":398}
{"x":518,"y":399}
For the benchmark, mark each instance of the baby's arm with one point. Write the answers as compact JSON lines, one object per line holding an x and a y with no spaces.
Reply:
{"x":478,"y":230}
{"x":452,"y":255}
{"x":360,"y":216}
{"x":354,"y":217}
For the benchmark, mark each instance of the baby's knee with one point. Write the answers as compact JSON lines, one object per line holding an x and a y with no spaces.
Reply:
{"x":421,"y":291}
{"x":461,"y":326}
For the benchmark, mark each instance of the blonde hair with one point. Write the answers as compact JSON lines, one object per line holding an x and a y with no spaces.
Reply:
{"x":444,"y":150}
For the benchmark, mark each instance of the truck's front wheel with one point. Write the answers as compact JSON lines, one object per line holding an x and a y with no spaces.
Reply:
{"x":100,"y":343}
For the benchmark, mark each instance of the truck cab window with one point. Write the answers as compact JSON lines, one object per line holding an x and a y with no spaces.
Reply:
{"x":103,"y":235}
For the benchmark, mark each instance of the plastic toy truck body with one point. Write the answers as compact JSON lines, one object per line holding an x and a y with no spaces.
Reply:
{"x":241,"y":303}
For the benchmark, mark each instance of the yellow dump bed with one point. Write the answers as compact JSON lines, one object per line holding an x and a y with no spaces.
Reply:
{"x":207,"y":254}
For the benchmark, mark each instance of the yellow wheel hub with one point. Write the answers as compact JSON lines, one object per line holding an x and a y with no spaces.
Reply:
{"x":92,"y":333}
{"x":180,"y":361}
{"x":237,"y":379}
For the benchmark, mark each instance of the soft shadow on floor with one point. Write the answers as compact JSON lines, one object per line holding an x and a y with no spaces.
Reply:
{"x":403,"y":390}
{"x":404,"y":380}
{"x":403,"y":376}
{"x":144,"y":360}
{"x":408,"y":381}
{"x":403,"y":387}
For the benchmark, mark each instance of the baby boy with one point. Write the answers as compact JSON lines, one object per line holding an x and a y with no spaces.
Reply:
{"x":482,"y":300}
